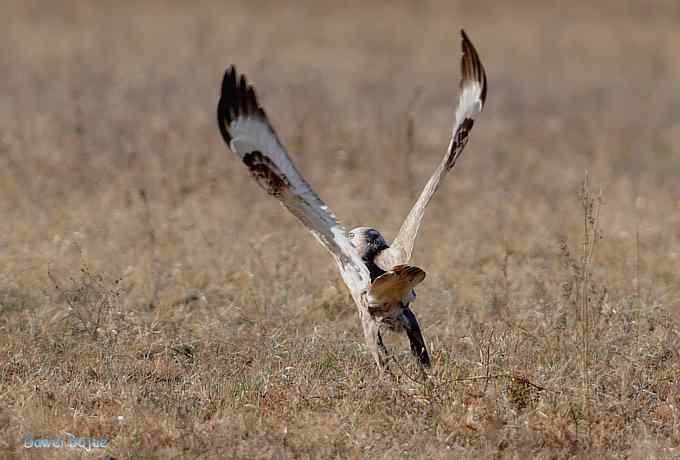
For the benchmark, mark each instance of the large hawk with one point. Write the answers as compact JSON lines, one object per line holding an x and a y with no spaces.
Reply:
{"x":377,"y":274}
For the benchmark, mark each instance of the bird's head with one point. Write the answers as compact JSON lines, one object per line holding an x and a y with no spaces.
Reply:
{"x":368,"y":242}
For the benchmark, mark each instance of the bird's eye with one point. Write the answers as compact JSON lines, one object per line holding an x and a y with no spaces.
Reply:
{"x":351,"y":235}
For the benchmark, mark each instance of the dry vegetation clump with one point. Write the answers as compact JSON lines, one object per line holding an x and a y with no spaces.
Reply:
{"x":152,"y":294}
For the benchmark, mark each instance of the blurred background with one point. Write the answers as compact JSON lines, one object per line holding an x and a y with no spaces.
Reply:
{"x":108,"y":136}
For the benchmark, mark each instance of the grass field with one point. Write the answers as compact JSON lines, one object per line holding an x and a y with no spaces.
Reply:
{"x":152,"y":294}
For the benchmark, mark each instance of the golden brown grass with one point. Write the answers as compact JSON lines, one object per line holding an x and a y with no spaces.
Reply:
{"x":151,"y":293}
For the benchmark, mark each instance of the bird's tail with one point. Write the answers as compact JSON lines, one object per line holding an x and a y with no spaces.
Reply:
{"x":415,"y":337}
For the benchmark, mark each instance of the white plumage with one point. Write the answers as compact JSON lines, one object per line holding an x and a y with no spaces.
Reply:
{"x":377,"y":274}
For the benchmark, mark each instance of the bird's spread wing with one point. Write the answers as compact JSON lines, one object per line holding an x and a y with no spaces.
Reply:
{"x":392,"y":287}
{"x":246,"y":130}
{"x":470,"y":102}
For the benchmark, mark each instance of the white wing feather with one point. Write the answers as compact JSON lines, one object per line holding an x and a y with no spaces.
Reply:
{"x":247,"y":132}
{"x":470,"y":103}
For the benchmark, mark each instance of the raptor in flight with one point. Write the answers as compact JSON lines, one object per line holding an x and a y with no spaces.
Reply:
{"x":377,"y":274}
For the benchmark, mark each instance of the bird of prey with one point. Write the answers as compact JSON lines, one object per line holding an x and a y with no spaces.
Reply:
{"x":377,"y":274}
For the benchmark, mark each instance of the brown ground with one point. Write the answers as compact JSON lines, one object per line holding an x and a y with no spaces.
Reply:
{"x":151,"y":293}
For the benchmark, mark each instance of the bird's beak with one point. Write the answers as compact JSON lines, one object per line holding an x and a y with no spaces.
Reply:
{"x":415,"y":337}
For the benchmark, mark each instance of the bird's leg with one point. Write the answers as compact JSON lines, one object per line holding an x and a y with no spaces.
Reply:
{"x":374,"y":341}
{"x":381,"y":344}
{"x":386,"y":354}
{"x":415,"y":337}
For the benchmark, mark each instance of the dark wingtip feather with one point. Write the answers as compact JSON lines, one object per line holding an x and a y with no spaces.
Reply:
{"x":471,"y":66}
{"x":237,"y":99}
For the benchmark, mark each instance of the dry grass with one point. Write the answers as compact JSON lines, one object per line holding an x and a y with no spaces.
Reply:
{"x":151,"y":293}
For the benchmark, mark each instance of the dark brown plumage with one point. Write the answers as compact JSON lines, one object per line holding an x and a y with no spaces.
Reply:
{"x":471,"y":67}
{"x":237,"y":99}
